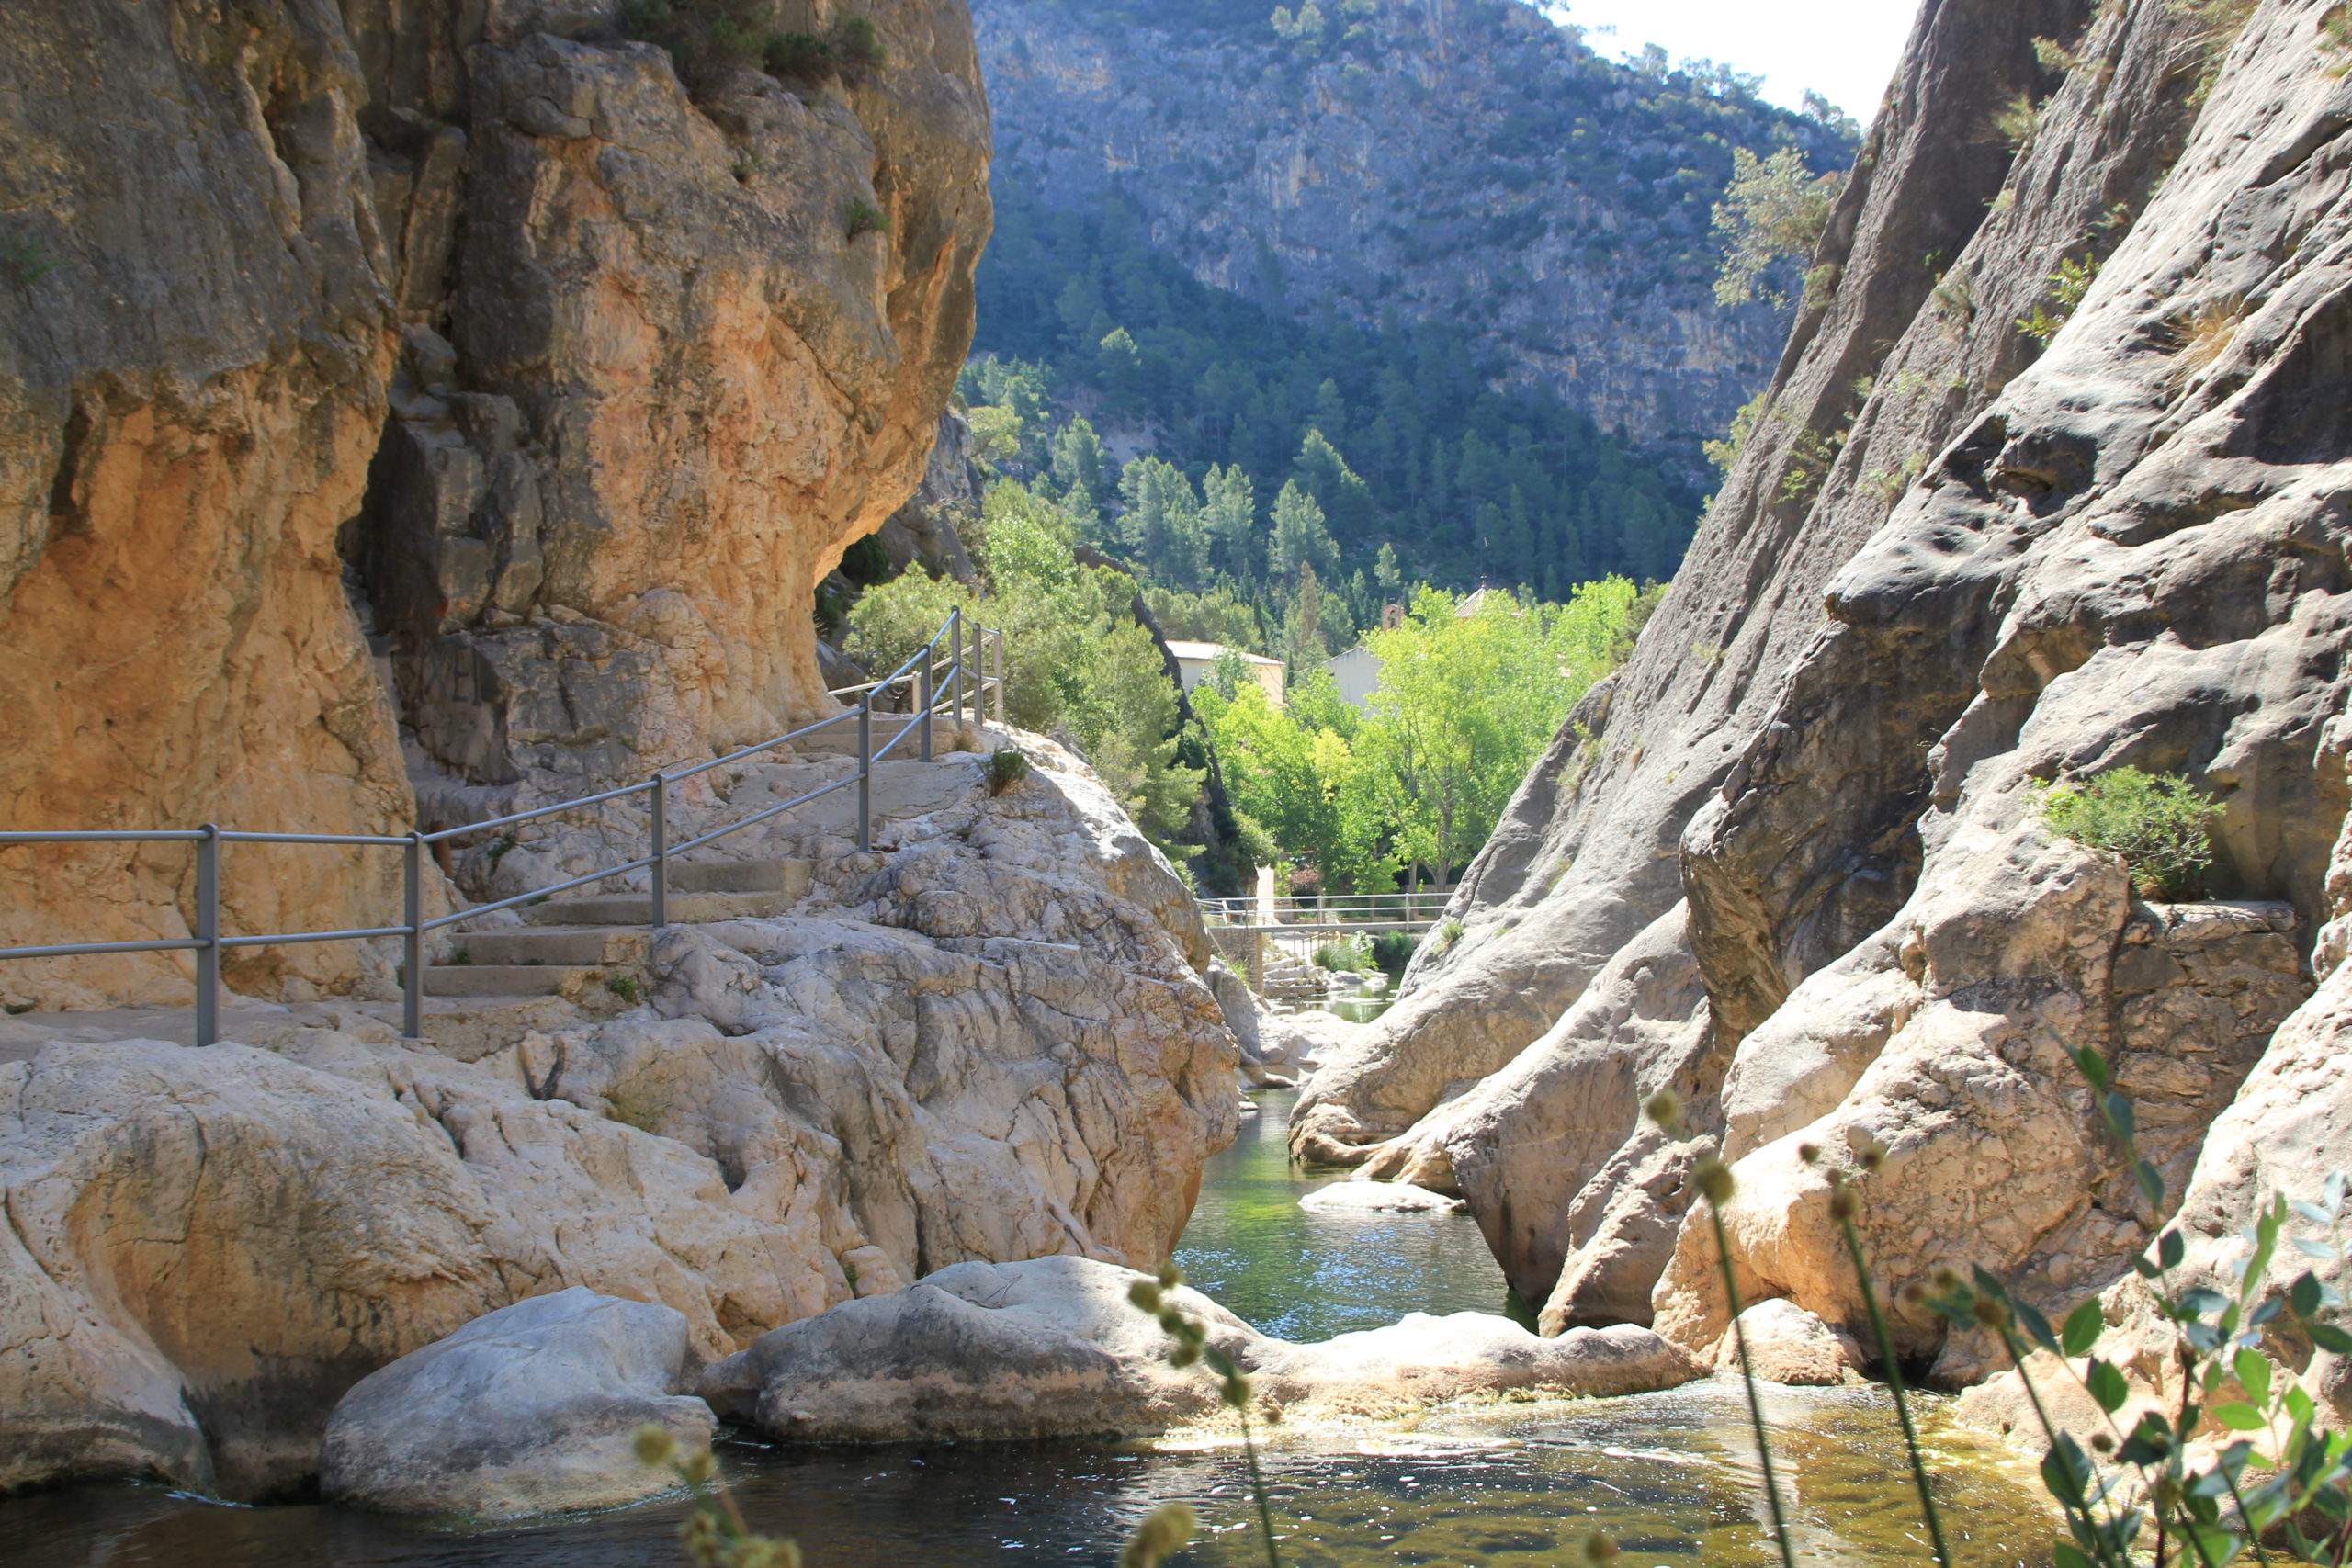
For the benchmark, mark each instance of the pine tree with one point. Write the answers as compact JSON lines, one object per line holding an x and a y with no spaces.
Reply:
{"x":1300,"y":538}
{"x":1229,"y":520}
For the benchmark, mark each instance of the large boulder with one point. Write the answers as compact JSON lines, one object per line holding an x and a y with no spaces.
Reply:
{"x":1789,"y":1345}
{"x":1378,"y":1198}
{"x":531,"y":1409}
{"x":1055,"y":1347}
{"x":206,"y":1249}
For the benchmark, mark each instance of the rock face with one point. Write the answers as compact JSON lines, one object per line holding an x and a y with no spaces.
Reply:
{"x":459,"y":335}
{"x":1804,"y":878}
{"x":192,"y":374}
{"x":992,"y":1043}
{"x":1053,"y":1348}
{"x":531,"y":1409}
{"x":1558,"y":202}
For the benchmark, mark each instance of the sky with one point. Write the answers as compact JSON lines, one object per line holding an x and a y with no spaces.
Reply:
{"x":1844,"y":50}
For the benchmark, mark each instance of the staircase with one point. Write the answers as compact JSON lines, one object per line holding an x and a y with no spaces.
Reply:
{"x":1292,"y":979}
{"x":566,"y":944}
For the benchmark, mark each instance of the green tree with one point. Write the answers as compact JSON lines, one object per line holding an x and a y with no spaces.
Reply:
{"x":1300,"y":538}
{"x":1079,"y":462}
{"x":1083,"y":667}
{"x":1345,"y":499}
{"x":1773,"y":211}
{"x":1229,"y":519}
{"x":1466,"y":704}
{"x":1120,"y":364}
{"x":1163,"y":526}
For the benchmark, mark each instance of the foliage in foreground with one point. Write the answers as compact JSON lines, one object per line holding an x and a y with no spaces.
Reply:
{"x":2153,"y":1494}
{"x":2160,"y":823}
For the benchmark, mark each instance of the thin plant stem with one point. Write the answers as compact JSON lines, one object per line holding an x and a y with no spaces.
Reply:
{"x":1895,"y":1385}
{"x":2244,"y":1519}
{"x":2050,"y":1432}
{"x":1257,"y":1491}
{"x":1755,"y":1400}
{"x":2188,"y":1391}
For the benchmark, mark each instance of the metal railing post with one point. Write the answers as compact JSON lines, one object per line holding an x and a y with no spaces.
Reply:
{"x":412,"y":939}
{"x":207,"y":931}
{"x":866,"y":771}
{"x":998,"y":635}
{"x":922,"y":706}
{"x":979,"y":675}
{"x":660,"y":851}
{"x":955,"y":662}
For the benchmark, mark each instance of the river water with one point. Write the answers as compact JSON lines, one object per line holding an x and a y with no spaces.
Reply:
{"x":1670,"y":1474}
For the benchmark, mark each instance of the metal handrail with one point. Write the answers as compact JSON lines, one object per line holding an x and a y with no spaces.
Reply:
{"x":208,"y":943}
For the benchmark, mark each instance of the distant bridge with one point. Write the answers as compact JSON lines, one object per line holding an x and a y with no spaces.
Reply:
{"x":1254,"y":933}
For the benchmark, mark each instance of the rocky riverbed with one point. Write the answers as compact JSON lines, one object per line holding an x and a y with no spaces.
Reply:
{"x":1510,"y":1480}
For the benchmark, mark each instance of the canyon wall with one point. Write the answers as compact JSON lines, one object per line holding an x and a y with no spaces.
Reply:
{"x":411,"y":411}
{"x":1791,"y":861}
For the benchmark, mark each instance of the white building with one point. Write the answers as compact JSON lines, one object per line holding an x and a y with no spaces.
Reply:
{"x":1357,"y":674}
{"x":1194,"y":660}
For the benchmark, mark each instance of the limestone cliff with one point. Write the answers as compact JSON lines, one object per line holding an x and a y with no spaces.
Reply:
{"x":1468,"y":162}
{"x":1791,"y":861}
{"x":463,"y":330}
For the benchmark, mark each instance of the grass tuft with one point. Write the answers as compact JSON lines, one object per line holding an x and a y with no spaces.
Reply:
{"x":1007,"y":767}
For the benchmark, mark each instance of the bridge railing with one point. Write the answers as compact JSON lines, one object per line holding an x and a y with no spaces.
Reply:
{"x":974,"y":657}
{"x":1366,"y":909}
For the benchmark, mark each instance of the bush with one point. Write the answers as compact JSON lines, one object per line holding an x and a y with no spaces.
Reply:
{"x":1350,"y":954}
{"x":706,"y":38}
{"x":862,"y":217}
{"x":800,"y":56}
{"x":1007,"y":768}
{"x":858,"y":42}
{"x":2158,"y":823}
{"x":1773,"y":211}
{"x":854,"y":45}
{"x":1391,"y":950}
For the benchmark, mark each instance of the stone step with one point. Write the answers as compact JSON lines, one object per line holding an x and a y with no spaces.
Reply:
{"x":506,"y":979}
{"x":637,"y":908}
{"x":789,"y":876}
{"x":557,"y":945}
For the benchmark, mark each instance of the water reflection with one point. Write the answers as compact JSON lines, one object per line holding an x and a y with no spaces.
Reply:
{"x":1308,"y":1276}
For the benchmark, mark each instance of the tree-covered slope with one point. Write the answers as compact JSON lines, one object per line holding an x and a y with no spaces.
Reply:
{"x":1469,"y":251}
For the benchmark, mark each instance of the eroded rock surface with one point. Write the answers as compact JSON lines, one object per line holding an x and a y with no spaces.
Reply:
{"x":531,"y":1409}
{"x":431,"y":400}
{"x":1054,"y":1348}
{"x":992,"y":1044}
{"x":1787,"y":1344}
